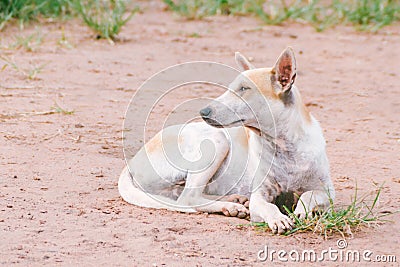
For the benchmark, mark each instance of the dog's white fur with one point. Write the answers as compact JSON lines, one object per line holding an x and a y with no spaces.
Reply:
{"x":281,"y":149}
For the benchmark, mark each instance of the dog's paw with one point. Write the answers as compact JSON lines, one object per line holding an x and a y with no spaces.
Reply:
{"x":235,"y":198}
{"x":235,"y":210}
{"x":280,"y":224}
{"x":301,"y":215}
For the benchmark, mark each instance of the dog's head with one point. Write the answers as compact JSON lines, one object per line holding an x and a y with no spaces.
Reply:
{"x":256,"y":95}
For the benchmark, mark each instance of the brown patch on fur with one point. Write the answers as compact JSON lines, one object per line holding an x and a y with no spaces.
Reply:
{"x":262,"y":79}
{"x":306,"y":113}
{"x":242,"y":137}
{"x":271,"y":190}
{"x":162,"y":138}
{"x":249,"y":128}
{"x":154,"y":144}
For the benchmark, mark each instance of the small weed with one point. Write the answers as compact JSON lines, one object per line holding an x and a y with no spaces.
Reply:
{"x":344,"y":220}
{"x":105,"y":17}
{"x":57,"y":109}
{"x":63,"y":41}
{"x":193,"y":35}
{"x":30,"y":43}
{"x":29,"y":73}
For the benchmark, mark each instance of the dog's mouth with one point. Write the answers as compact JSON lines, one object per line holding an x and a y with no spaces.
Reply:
{"x":213,"y":123}
{"x":254,"y":129}
{"x":216,"y":124}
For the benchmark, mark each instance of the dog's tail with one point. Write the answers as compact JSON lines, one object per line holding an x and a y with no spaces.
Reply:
{"x":134,"y":195}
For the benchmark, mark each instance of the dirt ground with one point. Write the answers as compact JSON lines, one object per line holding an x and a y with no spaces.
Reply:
{"x":59,"y":203}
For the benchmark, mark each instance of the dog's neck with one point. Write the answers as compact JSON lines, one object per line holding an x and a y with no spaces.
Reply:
{"x":290,"y":126}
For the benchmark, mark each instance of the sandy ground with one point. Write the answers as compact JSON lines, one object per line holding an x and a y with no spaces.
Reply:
{"x":59,"y":203}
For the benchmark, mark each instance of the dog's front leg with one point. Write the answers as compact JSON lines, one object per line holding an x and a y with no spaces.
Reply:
{"x":192,"y":195}
{"x":263,"y":210}
{"x":310,"y":201}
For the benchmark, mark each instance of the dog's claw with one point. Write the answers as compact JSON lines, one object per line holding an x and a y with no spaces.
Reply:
{"x":281,"y":224}
{"x":225,"y":212}
{"x":242,"y":215}
{"x":234,"y":213}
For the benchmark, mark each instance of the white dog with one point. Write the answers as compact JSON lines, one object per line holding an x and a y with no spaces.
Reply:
{"x":259,"y":142}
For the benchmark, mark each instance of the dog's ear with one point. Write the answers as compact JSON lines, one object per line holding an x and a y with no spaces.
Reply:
{"x":284,"y":70}
{"x":242,"y":62}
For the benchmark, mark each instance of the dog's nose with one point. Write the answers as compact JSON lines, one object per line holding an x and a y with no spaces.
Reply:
{"x":205,"y":112}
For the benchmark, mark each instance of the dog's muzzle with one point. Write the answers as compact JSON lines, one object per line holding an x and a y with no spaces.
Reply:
{"x":205,"y":114}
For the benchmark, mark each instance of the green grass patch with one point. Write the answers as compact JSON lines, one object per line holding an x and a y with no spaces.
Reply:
{"x":369,"y":15}
{"x":343,"y":220}
{"x":197,"y":9}
{"x":106,"y":18}
{"x":26,"y":10}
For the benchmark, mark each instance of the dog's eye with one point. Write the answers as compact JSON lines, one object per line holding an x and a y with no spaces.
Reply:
{"x":243,"y":88}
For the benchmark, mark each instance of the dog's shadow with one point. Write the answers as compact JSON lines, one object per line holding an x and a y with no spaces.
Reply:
{"x":288,"y":200}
